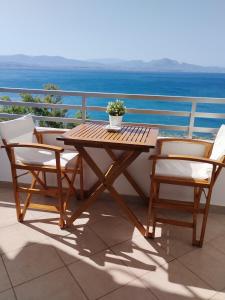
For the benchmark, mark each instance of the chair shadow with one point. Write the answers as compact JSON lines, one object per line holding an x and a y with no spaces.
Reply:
{"x":135,"y":289}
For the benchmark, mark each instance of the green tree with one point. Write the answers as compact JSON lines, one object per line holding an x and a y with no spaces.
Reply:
{"x":48,"y":112}
{"x":51,"y":112}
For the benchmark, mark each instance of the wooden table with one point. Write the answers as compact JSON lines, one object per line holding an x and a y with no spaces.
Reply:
{"x":133,"y":140}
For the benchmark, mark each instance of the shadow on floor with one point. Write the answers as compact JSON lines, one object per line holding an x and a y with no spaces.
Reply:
{"x":90,"y":261}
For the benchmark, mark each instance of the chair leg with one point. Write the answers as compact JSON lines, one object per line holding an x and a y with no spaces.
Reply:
{"x":61,"y":203}
{"x":44,"y":178}
{"x":195,"y":241}
{"x":81,"y":179}
{"x":205,"y":217}
{"x":151,"y":211}
{"x":38,"y":179}
{"x":197,"y":197}
{"x":156,"y":196}
{"x":71,"y":190}
{"x":16,"y":194}
{"x":60,"y":192}
{"x":28,"y":199}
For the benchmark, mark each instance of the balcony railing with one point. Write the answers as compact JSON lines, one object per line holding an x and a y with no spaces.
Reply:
{"x":191,"y":115}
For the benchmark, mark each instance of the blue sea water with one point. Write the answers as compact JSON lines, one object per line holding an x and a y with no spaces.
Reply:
{"x":177,"y":84}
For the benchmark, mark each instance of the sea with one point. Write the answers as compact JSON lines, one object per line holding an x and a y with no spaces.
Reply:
{"x":173,"y":84}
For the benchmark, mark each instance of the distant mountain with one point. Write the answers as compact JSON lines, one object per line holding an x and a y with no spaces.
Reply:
{"x":159,"y":65}
{"x":107,"y":61}
{"x":58,"y":62}
{"x":44,"y":61}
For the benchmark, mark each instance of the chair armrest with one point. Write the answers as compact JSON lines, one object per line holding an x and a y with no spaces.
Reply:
{"x":35,"y":145}
{"x":189,"y":158}
{"x":51,"y":131}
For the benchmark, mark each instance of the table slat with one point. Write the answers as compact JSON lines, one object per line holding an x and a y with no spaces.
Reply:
{"x":93,"y":134}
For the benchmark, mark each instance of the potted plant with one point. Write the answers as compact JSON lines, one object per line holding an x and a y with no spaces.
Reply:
{"x":116,"y":110}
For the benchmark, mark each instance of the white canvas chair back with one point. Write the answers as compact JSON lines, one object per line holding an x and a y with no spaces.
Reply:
{"x":218,"y":150}
{"x":20,"y":130}
{"x":182,"y":148}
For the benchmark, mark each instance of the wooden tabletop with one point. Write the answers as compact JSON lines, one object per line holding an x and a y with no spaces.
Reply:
{"x":95,"y":135}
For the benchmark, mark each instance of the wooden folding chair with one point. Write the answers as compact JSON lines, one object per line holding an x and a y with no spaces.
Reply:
{"x":185,"y":162}
{"x":26,"y":152}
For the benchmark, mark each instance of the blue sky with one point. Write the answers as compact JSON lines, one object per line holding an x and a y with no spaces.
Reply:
{"x":187,"y":30}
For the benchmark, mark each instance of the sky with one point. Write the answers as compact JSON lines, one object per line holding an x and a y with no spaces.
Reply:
{"x":191,"y":31}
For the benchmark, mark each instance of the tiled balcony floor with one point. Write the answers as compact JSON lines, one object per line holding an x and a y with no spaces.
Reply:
{"x":103,"y":257}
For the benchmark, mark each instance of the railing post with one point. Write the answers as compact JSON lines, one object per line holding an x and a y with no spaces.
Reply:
{"x":83,"y":109}
{"x":192,"y":119}
{"x":36,"y":121}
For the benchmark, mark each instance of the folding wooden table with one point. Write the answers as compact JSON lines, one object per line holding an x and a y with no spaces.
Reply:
{"x":132,"y":140}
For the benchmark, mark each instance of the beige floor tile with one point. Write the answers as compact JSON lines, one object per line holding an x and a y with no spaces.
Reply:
{"x":140,"y":209}
{"x":208,"y":263}
{"x":175,"y":282}
{"x":18,"y":236}
{"x":6,"y":194}
{"x":113,"y":230}
{"x":4,"y":280}
{"x":134,"y":290}
{"x":82,"y":242}
{"x":176,"y":241}
{"x":8,"y":215}
{"x":56,"y":285}
{"x":99,"y":211}
{"x":7,"y":295}
{"x":101,"y":274}
{"x":44,"y":215}
{"x":105,"y":206}
{"x":84,"y":219}
{"x":219,"y":243}
{"x":141,"y":254}
{"x":214,"y":229}
{"x":218,"y":217}
{"x":44,"y":221}
{"x":48,"y":225}
{"x":31,"y":262}
{"x":218,"y":296}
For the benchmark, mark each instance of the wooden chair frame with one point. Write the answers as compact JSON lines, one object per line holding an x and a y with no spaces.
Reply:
{"x":38,"y":173}
{"x":201,"y":187}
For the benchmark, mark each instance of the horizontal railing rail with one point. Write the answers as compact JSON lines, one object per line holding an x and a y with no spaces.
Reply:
{"x":39,"y":105}
{"x":83,"y":107}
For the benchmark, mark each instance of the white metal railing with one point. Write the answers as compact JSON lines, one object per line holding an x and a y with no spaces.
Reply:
{"x":192,"y":114}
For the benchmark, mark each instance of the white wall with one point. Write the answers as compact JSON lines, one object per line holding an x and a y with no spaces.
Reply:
{"x":140,"y":170}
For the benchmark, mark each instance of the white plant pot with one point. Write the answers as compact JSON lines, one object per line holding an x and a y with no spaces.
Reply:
{"x":115,"y":120}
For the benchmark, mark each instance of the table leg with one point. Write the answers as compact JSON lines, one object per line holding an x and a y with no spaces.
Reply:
{"x":130,"y":179}
{"x":106,"y":181}
{"x":131,"y":216}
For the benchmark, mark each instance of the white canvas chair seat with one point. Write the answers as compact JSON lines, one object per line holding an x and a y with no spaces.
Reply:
{"x":183,"y":169}
{"x":68,"y":158}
